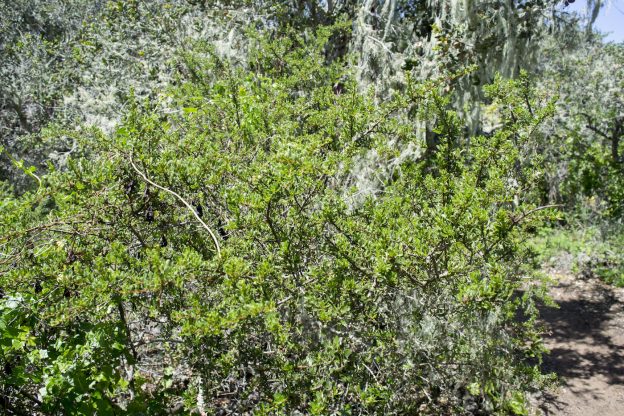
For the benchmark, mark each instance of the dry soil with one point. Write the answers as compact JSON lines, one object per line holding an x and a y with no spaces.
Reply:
{"x":586,"y":341}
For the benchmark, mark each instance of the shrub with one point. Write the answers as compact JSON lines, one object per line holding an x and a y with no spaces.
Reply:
{"x":218,"y":255}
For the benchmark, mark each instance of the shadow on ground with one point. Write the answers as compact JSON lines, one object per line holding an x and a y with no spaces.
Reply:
{"x":583,"y":347}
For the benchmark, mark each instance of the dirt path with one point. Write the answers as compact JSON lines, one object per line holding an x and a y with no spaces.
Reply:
{"x":586,"y":340}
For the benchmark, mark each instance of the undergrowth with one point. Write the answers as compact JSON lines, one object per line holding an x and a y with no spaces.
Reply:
{"x":585,"y":247}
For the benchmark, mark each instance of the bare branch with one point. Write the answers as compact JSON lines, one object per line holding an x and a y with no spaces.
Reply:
{"x":186,"y":204}
{"x":526,"y":214}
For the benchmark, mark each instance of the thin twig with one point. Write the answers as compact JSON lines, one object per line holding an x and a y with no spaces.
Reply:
{"x":526,"y":214}
{"x":189,"y":206}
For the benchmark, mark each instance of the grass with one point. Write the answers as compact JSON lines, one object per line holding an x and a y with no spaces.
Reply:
{"x":585,"y":250}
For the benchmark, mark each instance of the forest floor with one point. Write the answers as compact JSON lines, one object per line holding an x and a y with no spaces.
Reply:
{"x":585,"y":337}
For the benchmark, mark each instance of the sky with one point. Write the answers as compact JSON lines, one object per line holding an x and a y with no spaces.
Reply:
{"x":610,"y":20}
